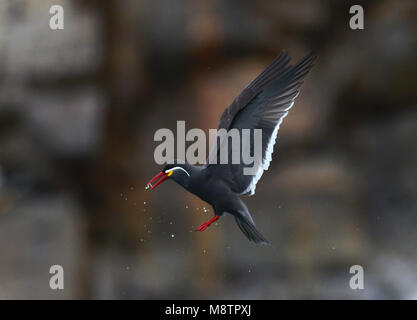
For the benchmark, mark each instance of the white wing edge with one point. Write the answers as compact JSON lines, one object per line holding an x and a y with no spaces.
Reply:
{"x":268,"y":157}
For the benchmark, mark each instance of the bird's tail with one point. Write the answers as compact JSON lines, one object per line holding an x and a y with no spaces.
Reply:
{"x":250,"y":231}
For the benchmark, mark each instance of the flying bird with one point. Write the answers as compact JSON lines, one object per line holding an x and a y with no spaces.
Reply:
{"x":263,"y":104}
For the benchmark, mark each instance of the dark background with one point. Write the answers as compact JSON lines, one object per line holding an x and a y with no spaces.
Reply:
{"x":79,"y":108}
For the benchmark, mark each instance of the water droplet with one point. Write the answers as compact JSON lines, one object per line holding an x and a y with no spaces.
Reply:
{"x":172,"y":235}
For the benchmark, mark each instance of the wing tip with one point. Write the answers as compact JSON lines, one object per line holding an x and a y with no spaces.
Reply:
{"x":311,"y":58}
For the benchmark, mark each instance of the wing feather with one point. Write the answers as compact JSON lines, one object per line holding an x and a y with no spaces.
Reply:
{"x":263,"y":104}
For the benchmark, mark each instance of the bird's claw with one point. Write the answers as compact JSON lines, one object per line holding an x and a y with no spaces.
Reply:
{"x":207,"y":224}
{"x":203,"y":227}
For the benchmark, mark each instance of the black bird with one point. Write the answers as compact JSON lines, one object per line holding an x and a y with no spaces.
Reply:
{"x":261,"y":105}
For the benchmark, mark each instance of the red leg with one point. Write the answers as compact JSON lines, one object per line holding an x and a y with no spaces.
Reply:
{"x":207,"y":224}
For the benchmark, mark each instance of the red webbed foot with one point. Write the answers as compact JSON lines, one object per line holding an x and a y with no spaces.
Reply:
{"x":207,"y":224}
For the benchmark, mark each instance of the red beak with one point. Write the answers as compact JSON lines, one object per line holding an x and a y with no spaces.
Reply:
{"x":160,"y":175}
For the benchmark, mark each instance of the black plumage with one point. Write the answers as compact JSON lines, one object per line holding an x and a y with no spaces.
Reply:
{"x":261,"y":105}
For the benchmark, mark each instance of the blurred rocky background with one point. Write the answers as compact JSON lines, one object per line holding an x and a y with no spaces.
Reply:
{"x":79,"y":107}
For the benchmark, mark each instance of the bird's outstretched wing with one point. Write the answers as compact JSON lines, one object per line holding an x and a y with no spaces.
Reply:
{"x":261,"y":105}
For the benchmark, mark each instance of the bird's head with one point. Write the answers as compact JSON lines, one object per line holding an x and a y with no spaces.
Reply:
{"x":177,"y":172}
